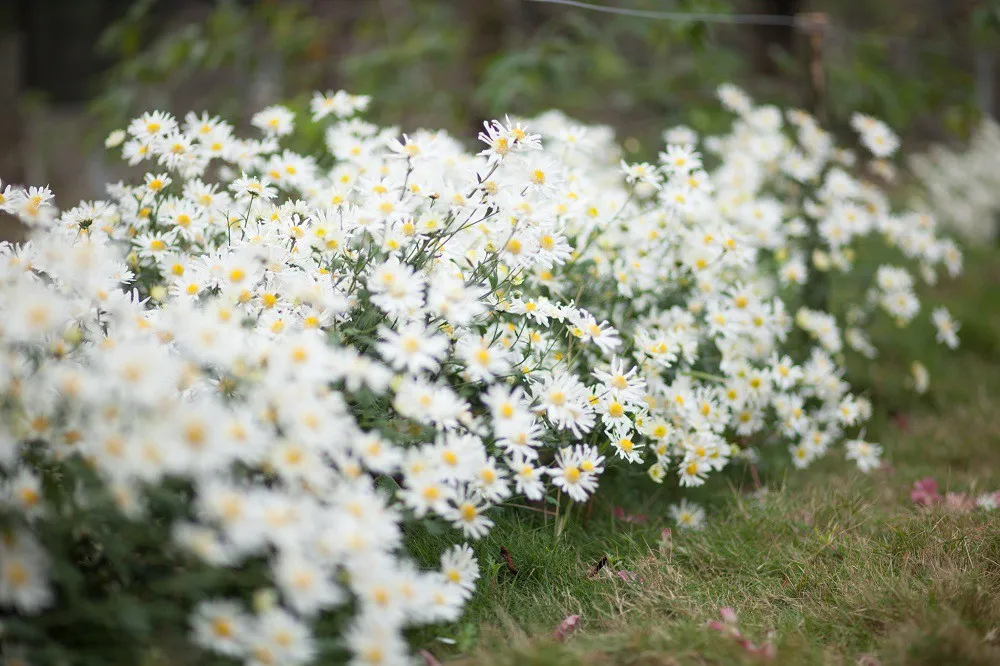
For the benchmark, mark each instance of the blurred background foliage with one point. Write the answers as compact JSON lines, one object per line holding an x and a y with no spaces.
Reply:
{"x":452,"y":63}
{"x":925,"y":66}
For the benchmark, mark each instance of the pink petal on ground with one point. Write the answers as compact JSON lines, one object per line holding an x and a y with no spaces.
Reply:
{"x":764,"y":651}
{"x":566,"y":627}
{"x":959,"y":502}
{"x":429,"y":659}
{"x":729,"y":630}
{"x":665,"y":542}
{"x":925,"y":492}
{"x":620,"y":514}
{"x":728,"y":615}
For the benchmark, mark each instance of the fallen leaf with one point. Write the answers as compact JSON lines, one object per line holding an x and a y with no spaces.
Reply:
{"x":593,"y":571}
{"x":508,"y":559}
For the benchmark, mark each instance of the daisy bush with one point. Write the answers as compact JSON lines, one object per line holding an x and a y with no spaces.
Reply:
{"x":962,"y":185}
{"x":231,"y":388}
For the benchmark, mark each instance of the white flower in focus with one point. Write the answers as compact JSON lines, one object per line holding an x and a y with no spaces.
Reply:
{"x":568,"y":474}
{"x":467,"y":513}
{"x":483,"y":360}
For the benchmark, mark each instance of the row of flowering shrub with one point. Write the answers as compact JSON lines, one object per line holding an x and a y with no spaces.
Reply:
{"x":962,"y":185}
{"x":228,"y":388}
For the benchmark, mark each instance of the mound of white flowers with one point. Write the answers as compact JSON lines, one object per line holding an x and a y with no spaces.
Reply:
{"x":227,"y":389}
{"x":962,"y":185}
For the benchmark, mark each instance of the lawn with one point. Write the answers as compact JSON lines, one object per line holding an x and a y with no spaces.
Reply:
{"x":830,"y":566}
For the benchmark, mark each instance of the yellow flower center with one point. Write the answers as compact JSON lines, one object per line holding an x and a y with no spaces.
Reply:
{"x":222,"y":627}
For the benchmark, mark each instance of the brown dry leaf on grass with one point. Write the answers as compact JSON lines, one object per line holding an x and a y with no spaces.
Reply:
{"x":596,"y":568}
{"x":508,"y":559}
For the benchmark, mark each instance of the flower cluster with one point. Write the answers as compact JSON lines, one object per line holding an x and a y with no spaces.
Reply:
{"x":807,"y":202}
{"x":962,"y":186}
{"x":314,"y":352}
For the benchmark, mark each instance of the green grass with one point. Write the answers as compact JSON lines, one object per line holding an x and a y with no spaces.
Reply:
{"x":829,"y":564}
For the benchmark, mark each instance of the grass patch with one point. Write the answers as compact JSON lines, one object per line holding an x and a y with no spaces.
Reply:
{"x":829,"y":565}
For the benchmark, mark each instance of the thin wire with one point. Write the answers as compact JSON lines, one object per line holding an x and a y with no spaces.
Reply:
{"x":755,"y":19}
{"x":921,"y":44}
